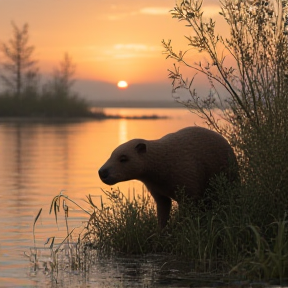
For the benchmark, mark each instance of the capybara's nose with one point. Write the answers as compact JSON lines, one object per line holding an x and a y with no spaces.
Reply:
{"x":103,"y":173}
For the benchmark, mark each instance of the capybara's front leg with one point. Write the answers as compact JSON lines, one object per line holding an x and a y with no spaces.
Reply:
{"x":164,"y":204}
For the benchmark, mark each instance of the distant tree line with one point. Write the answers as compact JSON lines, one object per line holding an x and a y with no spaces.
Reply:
{"x":21,"y":92}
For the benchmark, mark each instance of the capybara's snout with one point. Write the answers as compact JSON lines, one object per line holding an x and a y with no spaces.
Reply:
{"x":106,"y":176}
{"x":103,"y":173}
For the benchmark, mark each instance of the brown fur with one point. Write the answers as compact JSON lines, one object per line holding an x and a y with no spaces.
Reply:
{"x":187,"y":158}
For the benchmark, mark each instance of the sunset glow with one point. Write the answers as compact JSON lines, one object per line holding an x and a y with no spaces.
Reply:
{"x":116,"y":42}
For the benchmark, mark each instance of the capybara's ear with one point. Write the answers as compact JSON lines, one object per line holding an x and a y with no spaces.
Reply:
{"x":141,"y":148}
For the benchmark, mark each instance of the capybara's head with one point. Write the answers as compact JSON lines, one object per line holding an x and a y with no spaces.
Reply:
{"x":126,"y":162}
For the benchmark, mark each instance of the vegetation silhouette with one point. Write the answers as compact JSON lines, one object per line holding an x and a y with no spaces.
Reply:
{"x":248,"y":76}
{"x":22,"y":94}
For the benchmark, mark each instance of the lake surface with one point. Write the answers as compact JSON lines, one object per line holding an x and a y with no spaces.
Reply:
{"x":38,"y":160}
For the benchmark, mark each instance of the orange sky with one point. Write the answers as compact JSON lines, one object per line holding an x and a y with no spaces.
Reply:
{"x":108,"y":40}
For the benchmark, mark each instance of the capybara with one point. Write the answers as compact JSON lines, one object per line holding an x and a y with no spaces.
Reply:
{"x":184,"y":159}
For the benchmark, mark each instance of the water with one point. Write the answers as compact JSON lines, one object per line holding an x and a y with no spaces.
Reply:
{"x":38,"y":160}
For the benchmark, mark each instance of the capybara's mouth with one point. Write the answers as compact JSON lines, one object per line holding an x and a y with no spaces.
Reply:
{"x":105,"y":177}
{"x":108,"y":181}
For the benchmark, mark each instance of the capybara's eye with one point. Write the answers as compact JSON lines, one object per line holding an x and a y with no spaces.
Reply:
{"x":123,"y":158}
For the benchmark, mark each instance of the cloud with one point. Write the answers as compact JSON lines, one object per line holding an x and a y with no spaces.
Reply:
{"x":155,"y":10}
{"x":136,"y":47}
{"x":148,"y":11}
{"x":132,"y":50}
{"x":123,"y":51}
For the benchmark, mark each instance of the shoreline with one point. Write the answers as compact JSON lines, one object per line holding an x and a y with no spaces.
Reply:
{"x":96,"y":113}
{"x":135,"y":104}
{"x":28,"y":119}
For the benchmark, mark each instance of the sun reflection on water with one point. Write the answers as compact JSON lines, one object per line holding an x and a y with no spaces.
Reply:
{"x":122,"y":131}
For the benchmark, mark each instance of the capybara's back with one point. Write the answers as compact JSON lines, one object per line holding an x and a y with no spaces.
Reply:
{"x":192,"y":156}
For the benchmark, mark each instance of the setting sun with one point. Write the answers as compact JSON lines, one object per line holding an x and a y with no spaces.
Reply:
{"x":122,"y":84}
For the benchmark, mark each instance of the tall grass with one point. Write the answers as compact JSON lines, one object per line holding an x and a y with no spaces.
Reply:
{"x":123,"y":225}
{"x":222,"y":239}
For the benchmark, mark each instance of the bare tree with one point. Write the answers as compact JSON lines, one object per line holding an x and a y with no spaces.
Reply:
{"x":20,"y":68}
{"x":63,"y":77}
